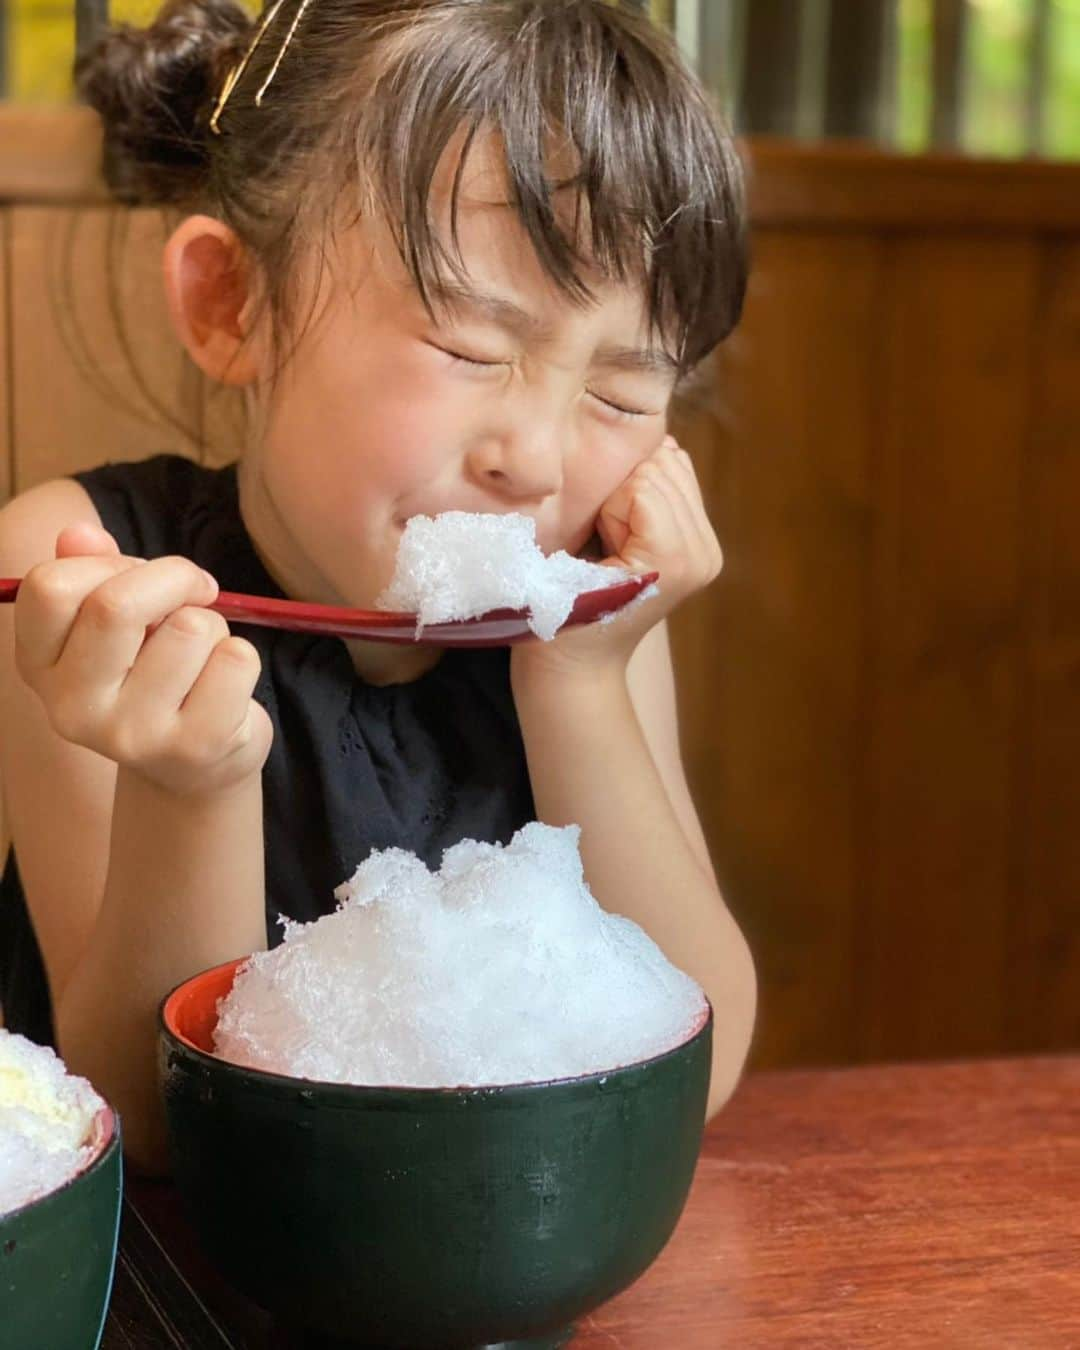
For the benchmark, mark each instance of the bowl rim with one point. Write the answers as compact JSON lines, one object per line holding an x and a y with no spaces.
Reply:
{"x":105,"y":1138}
{"x":699,"y":1027}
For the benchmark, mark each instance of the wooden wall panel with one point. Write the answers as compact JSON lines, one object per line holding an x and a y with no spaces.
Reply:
{"x":1042,"y":984}
{"x":881,"y":696}
{"x":87,"y":374}
{"x":774,"y":731}
{"x":5,"y":363}
{"x":956,"y":324}
{"x":5,"y":423}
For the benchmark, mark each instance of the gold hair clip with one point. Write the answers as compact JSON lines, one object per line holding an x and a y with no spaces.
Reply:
{"x":233,"y":77}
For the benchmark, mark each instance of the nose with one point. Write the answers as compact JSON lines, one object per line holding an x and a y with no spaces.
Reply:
{"x":523,"y":463}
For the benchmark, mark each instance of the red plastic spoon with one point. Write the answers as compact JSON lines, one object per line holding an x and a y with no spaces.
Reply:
{"x":498,"y":628}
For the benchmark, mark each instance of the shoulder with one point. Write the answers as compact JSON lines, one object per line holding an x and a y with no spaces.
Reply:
{"x":160,"y":477}
{"x":30,"y":522}
{"x":146,"y":505}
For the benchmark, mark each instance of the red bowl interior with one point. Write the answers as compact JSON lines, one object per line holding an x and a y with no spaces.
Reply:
{"x":191,"y":1011}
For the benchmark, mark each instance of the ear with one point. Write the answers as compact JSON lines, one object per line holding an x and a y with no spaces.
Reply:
{"x":209,"y":286}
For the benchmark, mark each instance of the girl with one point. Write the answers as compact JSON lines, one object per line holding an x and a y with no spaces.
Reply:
{"x":456,"y":255}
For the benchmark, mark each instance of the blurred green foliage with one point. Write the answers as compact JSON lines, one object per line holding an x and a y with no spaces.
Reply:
{"x":997,"y":49}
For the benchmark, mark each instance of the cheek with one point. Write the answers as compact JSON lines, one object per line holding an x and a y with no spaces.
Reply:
{"x":364,"y":446}
{"x":589,"y":482}
{"x":601,"y":467}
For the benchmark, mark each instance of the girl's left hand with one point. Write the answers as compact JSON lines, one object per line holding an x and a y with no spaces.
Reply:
{"x":655,"y":521}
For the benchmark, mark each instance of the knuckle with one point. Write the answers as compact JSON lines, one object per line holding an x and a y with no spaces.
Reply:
{"x":131,"y":743}
{"x":45,"y":585}
{"x":202,"y":750}
{"x":238,"y":650}
{"x":241,"y":737}
{"x":193,"y":574}
{"x":193,"y":622}
{"x":108,"y":607}
{"x":194,"y":753}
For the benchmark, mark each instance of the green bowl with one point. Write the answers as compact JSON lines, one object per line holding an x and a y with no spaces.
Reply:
{"x":57,"y":1255}
{"x":428,"y":1218}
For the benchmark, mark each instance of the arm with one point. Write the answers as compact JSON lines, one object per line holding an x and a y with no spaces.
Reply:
{"x":151,"y":883}
{"x":183,"y":892}
{"x":597,"y":711}
{"x":642,"y":846}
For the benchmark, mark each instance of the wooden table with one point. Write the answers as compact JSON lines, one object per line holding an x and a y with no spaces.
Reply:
{"x":921,"y":1207}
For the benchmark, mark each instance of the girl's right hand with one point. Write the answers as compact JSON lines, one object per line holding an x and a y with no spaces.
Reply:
{"x":129,"y":663}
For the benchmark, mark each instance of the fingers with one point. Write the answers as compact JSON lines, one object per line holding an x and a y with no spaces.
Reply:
{"x":83,"y":539}
{"x":104,"y":637}
{"x":658,"y":527}
{"x":165,"y":670}
{"x":130,"y":663}
{"x":187,"y":702}
{"x":657,"y":518}
{"x":49,"y":600}
{"x":218,"y":716}
{"x":680,"y":481}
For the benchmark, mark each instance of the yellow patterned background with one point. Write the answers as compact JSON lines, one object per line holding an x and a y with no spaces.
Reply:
{"x":41,"y":39}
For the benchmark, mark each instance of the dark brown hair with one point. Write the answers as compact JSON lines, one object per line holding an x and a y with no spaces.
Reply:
{"x":369,"y":95}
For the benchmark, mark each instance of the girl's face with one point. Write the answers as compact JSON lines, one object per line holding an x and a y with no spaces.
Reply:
{"x":513,"y":400}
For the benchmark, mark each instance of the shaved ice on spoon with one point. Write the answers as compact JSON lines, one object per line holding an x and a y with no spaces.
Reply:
{"x":460,"y":564}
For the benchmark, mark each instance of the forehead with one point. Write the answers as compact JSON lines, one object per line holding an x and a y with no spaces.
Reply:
{"x":494,"y":245}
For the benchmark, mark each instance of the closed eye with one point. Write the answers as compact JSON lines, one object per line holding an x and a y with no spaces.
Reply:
{"x":620,"y":408}
{"x":467,"y":360}
{"x":621,"y":411}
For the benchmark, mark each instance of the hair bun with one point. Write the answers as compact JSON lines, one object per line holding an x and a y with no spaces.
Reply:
{"x":154,"y":89}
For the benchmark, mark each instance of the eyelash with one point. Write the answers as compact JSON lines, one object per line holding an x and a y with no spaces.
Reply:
{"x":621,"y":413}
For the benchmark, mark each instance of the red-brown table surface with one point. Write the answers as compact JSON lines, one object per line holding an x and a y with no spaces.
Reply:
{"x":917,"y":1206}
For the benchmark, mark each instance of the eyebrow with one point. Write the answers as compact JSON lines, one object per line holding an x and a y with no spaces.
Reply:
{"x":509,"y":315}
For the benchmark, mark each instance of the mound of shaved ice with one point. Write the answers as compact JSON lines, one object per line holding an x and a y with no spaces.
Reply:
{"x":500,"y":968}
{"x":458,"y":565}
{"x":46,"y":1121}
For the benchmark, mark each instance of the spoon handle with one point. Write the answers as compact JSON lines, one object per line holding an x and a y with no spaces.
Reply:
{"x":273,"y":613}
{"x":497,"y":629}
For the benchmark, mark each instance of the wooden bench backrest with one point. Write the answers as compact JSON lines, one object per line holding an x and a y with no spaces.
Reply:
{"x":879,"y":697}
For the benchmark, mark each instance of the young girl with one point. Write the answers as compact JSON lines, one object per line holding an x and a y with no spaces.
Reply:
{"x":456,"y":255}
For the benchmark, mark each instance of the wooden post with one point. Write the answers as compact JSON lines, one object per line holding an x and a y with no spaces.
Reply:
{"x":769,"y":98}
{"x":814,"y":20}
{"x":950,"y":24}
{"x":720,"y":50}
{"x":857,"y":86}
{"x":1038,"y":60}
{"x":91,"y":16}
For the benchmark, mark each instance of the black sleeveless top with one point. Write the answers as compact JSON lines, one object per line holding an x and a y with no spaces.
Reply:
{"x":353,"y":767}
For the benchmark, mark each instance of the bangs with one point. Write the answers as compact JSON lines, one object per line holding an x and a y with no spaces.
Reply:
{"x":582,"y":100}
